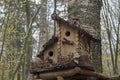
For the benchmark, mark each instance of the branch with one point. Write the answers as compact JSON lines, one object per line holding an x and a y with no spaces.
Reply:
{"x":54,"y":21}
{"x":4,"y":35}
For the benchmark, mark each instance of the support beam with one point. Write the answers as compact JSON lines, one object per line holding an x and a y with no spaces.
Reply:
{"x":65,"y":73}
{"x":72,"y":72}
{"x":60,"y":78}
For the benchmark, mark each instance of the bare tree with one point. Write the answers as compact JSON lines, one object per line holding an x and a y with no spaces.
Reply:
{"x":110,"y":18}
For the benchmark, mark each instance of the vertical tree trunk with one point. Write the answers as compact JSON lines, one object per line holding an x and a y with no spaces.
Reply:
{"x":43,"y":33}
{"x":18,"y":75}
{"x":88,"y":12}
{"x":2,"y":72}
{"x":28,"y":47}
{"x":112,"y":28}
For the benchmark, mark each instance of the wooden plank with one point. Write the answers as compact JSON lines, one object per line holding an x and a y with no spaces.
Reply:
{"x":60,"y":78}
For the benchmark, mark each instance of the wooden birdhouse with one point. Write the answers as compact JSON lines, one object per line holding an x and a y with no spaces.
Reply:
{"x":66,"y":53}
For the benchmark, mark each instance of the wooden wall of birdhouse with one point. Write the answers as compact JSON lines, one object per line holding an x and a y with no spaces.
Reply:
{"x":50,"y":54}
{"x":84,"y":45}
{"x":72,"y":41}
{"x":67,"y":38}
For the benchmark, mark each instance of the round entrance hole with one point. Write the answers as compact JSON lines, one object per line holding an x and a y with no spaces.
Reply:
{"x":50,"y":53}
{"x":67,"y":33}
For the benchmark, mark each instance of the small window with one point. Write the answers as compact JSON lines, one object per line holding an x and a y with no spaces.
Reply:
{"x":67,"y":33}
{"x":50,"y":53}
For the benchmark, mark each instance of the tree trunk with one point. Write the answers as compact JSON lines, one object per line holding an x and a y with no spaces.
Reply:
{"x":28,"y":47}
{"x":88,"y":12}
{"x":112,"y":28}
{"x":43,"y":29}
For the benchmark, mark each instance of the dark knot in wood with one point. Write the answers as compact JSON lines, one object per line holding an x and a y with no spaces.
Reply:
{"x":50,"y":60}
{"x":74,"y":21}
{"x":55,"y":16}
{"x":67,"y":41}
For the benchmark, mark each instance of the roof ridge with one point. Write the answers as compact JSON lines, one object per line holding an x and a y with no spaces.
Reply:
{"x":54,"y":16}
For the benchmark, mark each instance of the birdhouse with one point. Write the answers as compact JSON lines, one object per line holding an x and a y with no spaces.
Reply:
{"x":66,"y":53}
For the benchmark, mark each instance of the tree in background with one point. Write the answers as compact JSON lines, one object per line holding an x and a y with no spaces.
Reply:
{"x":111,"y":35}
{"x":11,"y":43}
{"x":16,"y":35}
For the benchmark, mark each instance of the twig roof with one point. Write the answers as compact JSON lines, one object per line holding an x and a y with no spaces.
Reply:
{"x":51,"y":41}
{"x":81,"y":31}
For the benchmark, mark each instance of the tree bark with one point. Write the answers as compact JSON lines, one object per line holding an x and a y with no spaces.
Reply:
{"x":28,"y":47}
{"x":43,"y":29}
{"x":88,"y":12}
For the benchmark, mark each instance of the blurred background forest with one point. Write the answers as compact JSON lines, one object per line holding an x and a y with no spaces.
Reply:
{"x":25,"y":25}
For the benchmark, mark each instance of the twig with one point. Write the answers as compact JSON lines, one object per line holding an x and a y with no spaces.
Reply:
{"x":4,"y":35}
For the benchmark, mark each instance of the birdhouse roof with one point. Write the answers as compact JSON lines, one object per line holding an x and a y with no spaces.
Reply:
{"x":51,"y":41}
{"x":72,"y":26}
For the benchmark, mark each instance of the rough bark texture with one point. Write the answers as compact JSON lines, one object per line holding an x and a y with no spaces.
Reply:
{"x":28,"y":46}
{"x":88,"y":12}
{"x":43,"y":35}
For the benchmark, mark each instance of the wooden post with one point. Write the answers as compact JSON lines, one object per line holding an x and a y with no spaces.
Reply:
{"x":60,"y":78}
